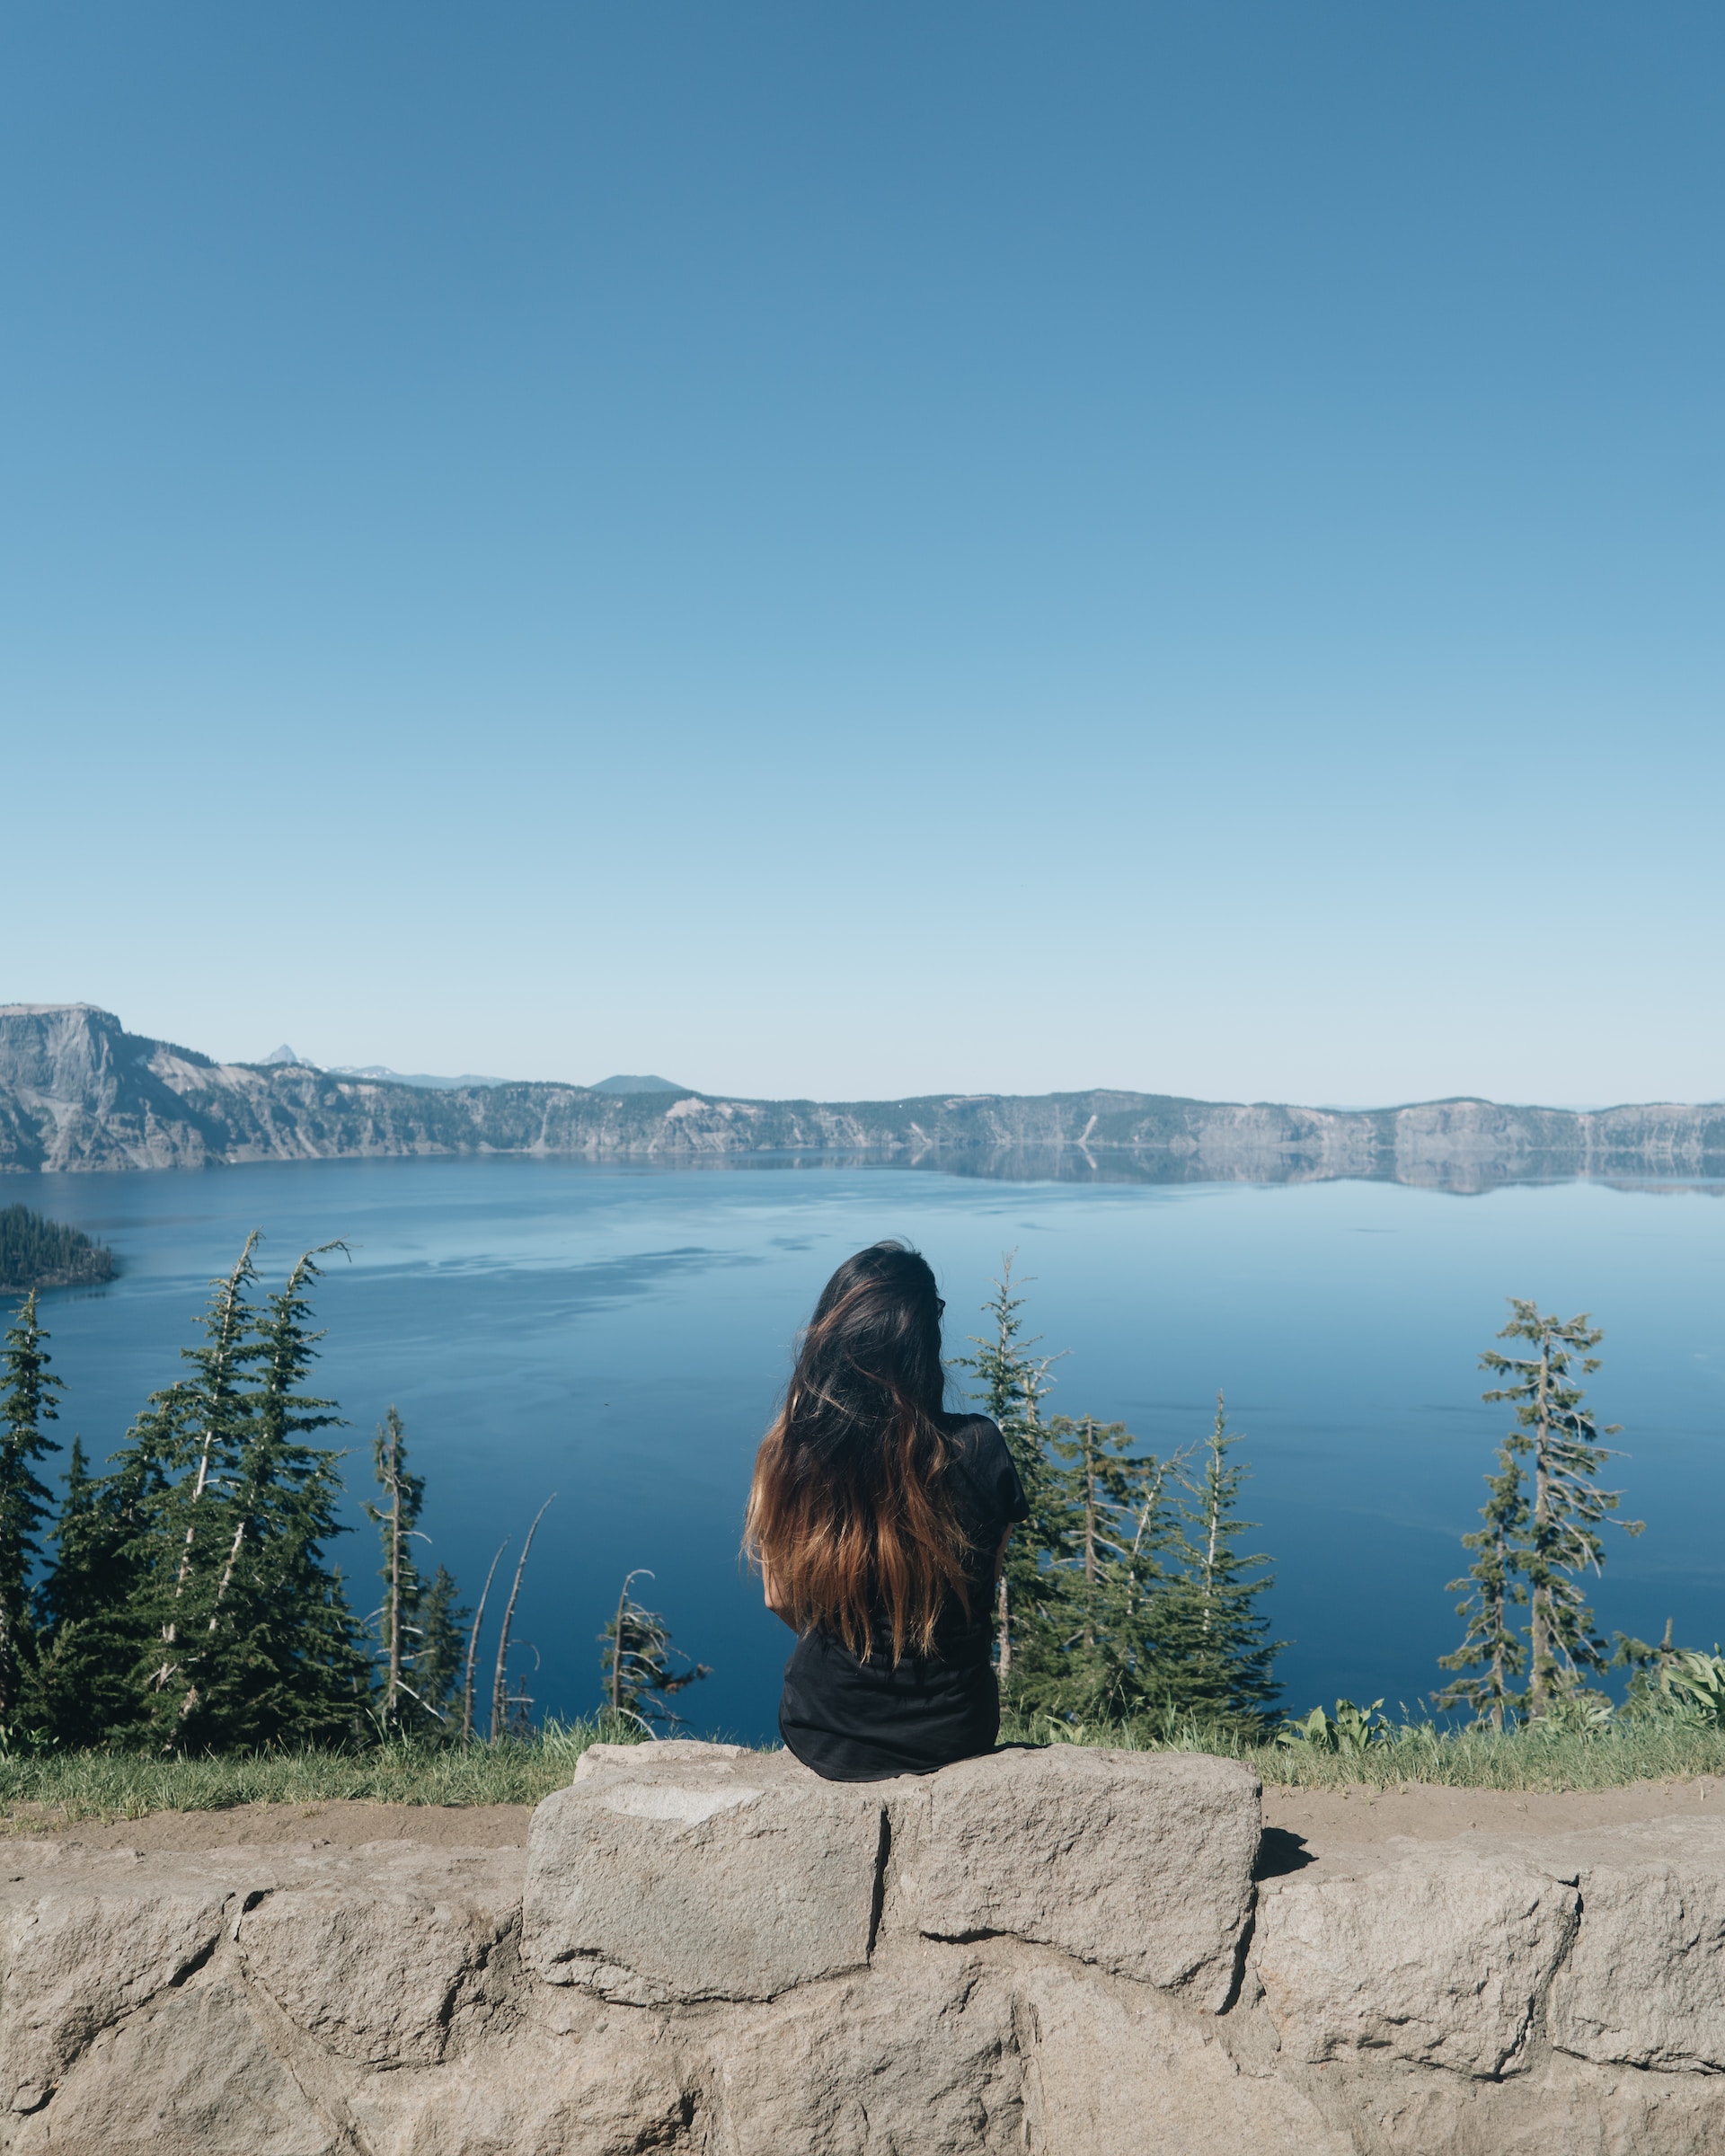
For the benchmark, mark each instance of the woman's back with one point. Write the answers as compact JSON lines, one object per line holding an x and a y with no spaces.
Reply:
{"x":856,"y":1720}
{"x":879,"y":1521}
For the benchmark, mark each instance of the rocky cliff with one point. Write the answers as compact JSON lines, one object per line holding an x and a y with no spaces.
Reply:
{"x":704,"y":1950}
{"x":78,"y":1092}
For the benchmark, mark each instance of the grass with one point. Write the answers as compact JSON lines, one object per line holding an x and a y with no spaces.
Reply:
{"x":51,"y":1788}
{"x":47,"y":1790}
{"x":1625,"y":1750}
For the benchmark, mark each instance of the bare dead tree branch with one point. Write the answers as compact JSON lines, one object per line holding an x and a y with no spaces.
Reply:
{"x":500,"y":1683}
{"x":472,"y":1649}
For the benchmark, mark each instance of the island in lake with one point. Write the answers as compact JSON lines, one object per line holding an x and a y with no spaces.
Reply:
{"x":37,"y":1252}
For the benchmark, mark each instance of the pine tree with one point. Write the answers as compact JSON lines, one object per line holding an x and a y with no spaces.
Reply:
{"x":438,"y":1655}
{"x":638,"y":1671}
{"x":92,"y":1617}
{"x":397,"y":1522}
{"x":1140,"y":1582}
{"x":419,"y":1625}
{"x":1106,"y":1589}
{"x":1114,"y":1600}
{"x":1013,"y":1384}
{"x":1542,"y":1544}
{"x":187,"y":1443}
{"x":1213,"y":1656}
{"x":26,"y":1404}
{"x":250,"y":1640}
{"x":1491,"y":1590}
{"x":283,"y":1665}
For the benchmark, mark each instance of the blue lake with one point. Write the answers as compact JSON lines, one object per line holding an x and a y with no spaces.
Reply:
{"x":619,"y":1334}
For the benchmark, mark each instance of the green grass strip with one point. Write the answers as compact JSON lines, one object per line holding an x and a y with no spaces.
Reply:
{"x":47,"y":1790}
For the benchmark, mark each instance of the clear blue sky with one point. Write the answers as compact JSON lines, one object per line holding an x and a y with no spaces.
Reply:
{"x":860,"y":549}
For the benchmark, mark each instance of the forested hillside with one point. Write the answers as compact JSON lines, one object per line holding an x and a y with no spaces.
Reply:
{"x":35,"y":1252}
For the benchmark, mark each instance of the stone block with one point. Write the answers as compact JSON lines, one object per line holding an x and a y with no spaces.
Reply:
{"x":1139,"y":1863}
{"x":617,"y":2093}
{"x":193,"y":2076}
{"x":918,"y":2058}
{"x":655,"y":1880}
{"x":1441,"y":1958}
{"x":1121,"y":2070}
{"x":77,"y":1952}
{"x":372,"y":1953}
{"x":651,"y":1759}
{"x":1645,"y":1983}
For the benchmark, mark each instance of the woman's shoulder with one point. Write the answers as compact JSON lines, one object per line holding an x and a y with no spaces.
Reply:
{"x":982,"y":1455}
{"x":974,"y":1440}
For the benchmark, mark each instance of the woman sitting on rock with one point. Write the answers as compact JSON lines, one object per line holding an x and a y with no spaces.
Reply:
{"x":880,"y":1523}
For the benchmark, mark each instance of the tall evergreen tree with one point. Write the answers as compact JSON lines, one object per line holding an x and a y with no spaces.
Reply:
{"x":250,"y":1638}
{"x":187,"y":1443}
{"x":1491,"y":1590}
{"x":1013,"y":1382}
{"x":419,"y":1625}
{"x":284,"y":1665}
{"x":94,"y":1625}
{"x":26,"y":1405}
{"x":438,"y":1653}
{"x":1115,"y":1600}
{"x":396,"y":1519}
{"x":1104,"y":1592}
{"x":1534,"y":1547}
{"x":1215,"y":1656}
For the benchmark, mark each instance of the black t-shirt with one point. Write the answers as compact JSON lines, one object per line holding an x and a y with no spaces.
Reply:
{"x":861,"y":1721}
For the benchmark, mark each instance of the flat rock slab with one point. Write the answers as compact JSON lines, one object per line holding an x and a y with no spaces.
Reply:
{"x":383,"y":1953}
{"x":1441,"y":1958}
{"x":715,"y":1874}
{"x":1139,"y":1863}
{"x":1335,"y":1827}
{"x":1645,"y":1985}
{"x":673,"y":1874}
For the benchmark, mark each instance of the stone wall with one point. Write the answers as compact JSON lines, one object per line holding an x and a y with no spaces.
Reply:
{"x":705,"y":1949}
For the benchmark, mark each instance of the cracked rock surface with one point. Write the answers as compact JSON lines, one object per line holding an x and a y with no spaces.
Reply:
{"x":708,"y":1951}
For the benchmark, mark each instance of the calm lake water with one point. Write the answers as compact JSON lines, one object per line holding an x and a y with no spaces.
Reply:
{"x":618,"y":1335}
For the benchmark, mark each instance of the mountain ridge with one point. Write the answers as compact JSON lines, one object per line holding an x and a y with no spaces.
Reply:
{"x":79,"y":1093}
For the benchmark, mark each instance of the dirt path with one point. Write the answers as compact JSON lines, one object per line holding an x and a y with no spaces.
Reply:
{"x":1300,"y":1825}
{"x":341,"y":1822}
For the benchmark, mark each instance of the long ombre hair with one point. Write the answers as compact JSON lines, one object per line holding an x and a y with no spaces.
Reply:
{"x":848,"y":1511}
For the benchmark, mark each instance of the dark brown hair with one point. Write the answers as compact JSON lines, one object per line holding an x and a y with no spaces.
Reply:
{"x":848,"y":1510}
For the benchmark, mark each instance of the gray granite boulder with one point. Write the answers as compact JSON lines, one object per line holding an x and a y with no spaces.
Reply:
{"x":1442,"y":1958}
{"x":1645,"y":1984}
{"x":78,"y":1950}
{"x":382,"y":1953}
{"x":1136,"y":1863}
{"x":719,"y":1875}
